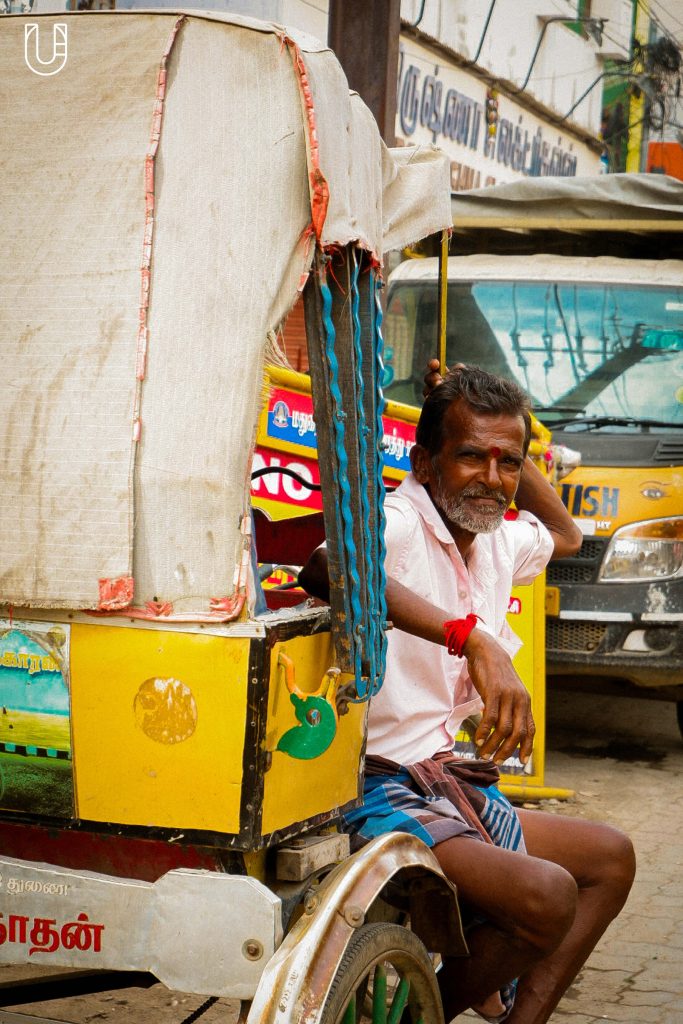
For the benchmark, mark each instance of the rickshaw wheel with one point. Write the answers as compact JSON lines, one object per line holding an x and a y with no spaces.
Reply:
{"x":360,"y":993}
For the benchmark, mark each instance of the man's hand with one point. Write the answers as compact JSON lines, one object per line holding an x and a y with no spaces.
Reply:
{"x":507,"y":721}
{"x":314,"y":576}
{"x":433,"y":377}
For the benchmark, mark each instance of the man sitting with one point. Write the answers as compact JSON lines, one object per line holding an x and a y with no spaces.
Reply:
{"x":538,"y":889}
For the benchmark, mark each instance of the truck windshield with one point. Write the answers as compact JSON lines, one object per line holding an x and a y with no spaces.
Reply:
{"x":582,"y":351}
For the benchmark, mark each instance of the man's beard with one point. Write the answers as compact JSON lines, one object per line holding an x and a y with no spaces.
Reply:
{"x":458,"y":514}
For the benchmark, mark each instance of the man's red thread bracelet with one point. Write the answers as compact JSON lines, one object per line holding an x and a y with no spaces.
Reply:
{"x":457,"y":632}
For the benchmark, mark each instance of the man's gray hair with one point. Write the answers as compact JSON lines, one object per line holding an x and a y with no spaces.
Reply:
{"x":483,"y":392}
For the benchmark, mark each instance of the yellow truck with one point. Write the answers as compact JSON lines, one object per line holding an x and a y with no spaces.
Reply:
{"x":574,"y":288}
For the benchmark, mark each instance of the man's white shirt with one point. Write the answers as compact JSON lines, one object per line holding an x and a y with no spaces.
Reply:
{"x":427,"y":693}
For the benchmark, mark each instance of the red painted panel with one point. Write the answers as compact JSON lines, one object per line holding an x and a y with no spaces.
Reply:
{"x":123,"y":857}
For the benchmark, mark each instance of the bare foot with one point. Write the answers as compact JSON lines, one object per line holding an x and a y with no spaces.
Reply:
{"x":492,"y":1006}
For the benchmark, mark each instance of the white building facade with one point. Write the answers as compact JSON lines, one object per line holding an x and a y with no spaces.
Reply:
{"x":533,"y":59}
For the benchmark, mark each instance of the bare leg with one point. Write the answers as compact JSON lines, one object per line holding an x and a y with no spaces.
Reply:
{"x":602,"y":862}
{"x":530,"y":906}
{"x":538,"y":928}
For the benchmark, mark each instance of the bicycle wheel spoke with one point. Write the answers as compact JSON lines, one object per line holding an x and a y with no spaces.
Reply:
{"x":379,"y":995}
{"x":350,"y":1011}
{"x":385,"y":977}
{"x":398,"y":1003}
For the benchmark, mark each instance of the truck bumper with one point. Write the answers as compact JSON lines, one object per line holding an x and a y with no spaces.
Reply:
{"x":645,"y":654}
{"x":630,"y":631}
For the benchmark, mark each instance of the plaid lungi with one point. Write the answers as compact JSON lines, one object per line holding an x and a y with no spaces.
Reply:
{"x":435,"y":799}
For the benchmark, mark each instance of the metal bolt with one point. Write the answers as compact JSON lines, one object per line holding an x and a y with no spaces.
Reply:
{"x":313,"y":717}
{"x":354,"y":916}
{"x":311,"y":902}
{"x":252,"y":949}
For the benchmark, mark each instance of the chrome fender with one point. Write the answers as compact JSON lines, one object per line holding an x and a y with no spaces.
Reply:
{"x":297,"y":979}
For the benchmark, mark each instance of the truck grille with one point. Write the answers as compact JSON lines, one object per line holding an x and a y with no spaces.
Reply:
{"x":580,"y":568}
{"x":669,"y":452}
{"x":573,"y":636}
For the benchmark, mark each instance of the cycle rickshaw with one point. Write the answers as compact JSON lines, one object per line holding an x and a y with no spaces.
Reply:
{"x":174,"y":747}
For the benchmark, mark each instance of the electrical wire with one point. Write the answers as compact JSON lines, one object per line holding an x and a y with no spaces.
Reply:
{"x":568,"y":74}
{"x":414,"y":24}
{"x":617,"y":42}
{"x":648,"y":12}
{"x":668,"y":13}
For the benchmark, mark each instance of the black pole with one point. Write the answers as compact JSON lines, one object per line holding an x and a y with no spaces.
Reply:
{"x":364,"y":34}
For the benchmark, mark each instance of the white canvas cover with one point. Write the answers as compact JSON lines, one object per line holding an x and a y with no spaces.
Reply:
{"x":544,"y":267}
{"x":169,"y":176}
{"x":651,"y":199}
{"x":72,"y":156}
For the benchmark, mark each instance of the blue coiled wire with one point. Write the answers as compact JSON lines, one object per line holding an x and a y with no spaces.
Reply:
{"x":381,"y":613}
{"x":343,"y":514}
{"x":363,"y":430}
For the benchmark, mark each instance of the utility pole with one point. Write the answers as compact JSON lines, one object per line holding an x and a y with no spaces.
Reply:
{"x":364,"y":34}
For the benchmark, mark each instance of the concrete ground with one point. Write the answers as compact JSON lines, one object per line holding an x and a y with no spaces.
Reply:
{"x":624,"y":759}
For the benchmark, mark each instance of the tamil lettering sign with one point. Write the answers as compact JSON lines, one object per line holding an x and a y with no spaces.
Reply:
{"x":446,"y":105}
{"x":196,"y":931}
{"x":287,"y":448}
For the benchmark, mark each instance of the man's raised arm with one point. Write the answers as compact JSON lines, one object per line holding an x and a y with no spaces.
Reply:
{"x":536,"y":494}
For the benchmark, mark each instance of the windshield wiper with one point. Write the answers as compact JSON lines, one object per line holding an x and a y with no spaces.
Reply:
{"x":594,"y":422}
{"x":541,"y":410}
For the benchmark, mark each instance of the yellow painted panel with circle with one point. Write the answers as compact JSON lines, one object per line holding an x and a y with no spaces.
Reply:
{"x":295,"y":790}
{"x":158,"y":723}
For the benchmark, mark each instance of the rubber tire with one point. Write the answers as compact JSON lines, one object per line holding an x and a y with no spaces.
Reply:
{"x":385,"y":943}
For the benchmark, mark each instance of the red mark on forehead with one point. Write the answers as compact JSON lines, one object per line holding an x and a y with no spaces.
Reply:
{"x":495,"y":452}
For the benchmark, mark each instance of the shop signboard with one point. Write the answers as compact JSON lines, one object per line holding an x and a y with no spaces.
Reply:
{"x":446,"y":105}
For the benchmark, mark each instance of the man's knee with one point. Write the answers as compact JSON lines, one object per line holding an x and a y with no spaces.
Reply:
{"x":547,"y":908}
{"x":530,"y":899}
{"x":613,"y":863}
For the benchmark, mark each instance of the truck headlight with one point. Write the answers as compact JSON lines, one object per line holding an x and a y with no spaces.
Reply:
{"x":652,"y":550}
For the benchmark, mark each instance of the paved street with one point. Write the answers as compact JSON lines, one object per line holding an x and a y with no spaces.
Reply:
{"x":624,"y":758}
{"x":625,"y":761}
